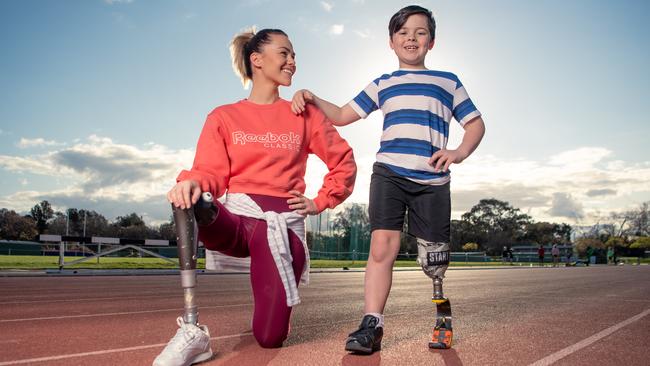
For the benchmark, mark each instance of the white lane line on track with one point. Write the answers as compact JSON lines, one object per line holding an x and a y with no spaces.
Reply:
{"x":543,"y":362}
{"x":550,"y":359}
{"x":137,"y":348}
{"x":180,"y":309}
{"x":46,"y":300}
{"x":103,"y":352}
{"x":113,"y":314}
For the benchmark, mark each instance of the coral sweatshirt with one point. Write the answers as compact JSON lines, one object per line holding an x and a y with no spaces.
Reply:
{"x":262,"y":149}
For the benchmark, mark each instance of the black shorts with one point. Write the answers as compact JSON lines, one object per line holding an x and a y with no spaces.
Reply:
{"x":429,"y":207}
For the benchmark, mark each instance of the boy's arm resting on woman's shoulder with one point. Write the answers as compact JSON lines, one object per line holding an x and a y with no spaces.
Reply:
{"x":339,"y":116}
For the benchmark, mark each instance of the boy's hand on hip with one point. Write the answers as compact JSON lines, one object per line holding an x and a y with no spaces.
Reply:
{"x":442,"y":159}
{"x":301,"y":204}
{"x":300,"y":100}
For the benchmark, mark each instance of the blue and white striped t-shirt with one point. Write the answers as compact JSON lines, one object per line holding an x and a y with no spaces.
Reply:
{"x":417,"y":106}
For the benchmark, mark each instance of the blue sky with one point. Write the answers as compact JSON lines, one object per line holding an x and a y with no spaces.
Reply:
{"x":101,"y":102}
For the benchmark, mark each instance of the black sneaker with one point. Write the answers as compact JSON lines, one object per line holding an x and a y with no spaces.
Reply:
{"x":366,"y":339}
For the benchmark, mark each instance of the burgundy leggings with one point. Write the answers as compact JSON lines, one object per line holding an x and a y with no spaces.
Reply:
{"x":241,"y":236}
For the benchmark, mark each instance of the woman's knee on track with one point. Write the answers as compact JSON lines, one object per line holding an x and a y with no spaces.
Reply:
{"x":270,"y":339}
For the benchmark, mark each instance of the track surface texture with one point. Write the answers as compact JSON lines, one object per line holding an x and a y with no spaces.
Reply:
{"x":596,"y":315}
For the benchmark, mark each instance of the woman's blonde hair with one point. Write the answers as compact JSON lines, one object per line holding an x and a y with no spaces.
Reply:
{"x":243,"y":45}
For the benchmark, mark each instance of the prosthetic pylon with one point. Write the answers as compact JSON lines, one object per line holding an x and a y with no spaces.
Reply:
{"x":434,"y":259}
{"x":442,"y":331}
{"x":187,"y":239}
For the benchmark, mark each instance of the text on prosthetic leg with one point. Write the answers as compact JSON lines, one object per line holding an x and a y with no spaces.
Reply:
{"x":433,"y":258}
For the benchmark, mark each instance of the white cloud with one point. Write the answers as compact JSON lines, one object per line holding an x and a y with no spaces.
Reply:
{"x":579,"y":159}
{"x":101,"y":171}
{"x":564,"y":205}
{"x":363,"y":33}
{"x":337,"y":29}
{"x":576,"y":186}
{"x":27,"y":143}
{"x":36,"y":164}
{"x":326,"y":6}
{"x":557,"y":189}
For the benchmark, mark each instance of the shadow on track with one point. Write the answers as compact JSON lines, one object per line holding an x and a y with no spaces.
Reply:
{"x":449,"y":356}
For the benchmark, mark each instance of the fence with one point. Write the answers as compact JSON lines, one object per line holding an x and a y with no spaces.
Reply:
{"x":94,"y":248}
{"x":528,"y":253}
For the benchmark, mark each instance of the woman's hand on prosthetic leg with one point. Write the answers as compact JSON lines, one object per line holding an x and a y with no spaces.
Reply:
{"x":201,"y":211}
{"x":434,"y":260}
{"x":191,"y":344}
{"x":184,"y":194}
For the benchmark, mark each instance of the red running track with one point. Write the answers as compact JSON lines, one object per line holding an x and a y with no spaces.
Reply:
{"x":518,"y":316}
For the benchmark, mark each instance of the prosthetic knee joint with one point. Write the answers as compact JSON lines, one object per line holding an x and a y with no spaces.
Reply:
{"x":187,"y":239}
{"x":434,"y":259}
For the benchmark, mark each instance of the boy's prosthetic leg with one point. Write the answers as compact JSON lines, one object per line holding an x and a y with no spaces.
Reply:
{"x":187,"y":238}
{"x":434,"y":259}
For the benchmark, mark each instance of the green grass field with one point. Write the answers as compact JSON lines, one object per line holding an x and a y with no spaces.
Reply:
{"x":51,"y":262}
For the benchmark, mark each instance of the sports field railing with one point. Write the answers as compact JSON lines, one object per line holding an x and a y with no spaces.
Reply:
{"x":89,"y":248}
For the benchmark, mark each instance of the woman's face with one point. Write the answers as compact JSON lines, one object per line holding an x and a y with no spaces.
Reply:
{"x":277,"y":61}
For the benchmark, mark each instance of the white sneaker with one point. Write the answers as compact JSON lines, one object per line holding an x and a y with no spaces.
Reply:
{"x":190,"y":345}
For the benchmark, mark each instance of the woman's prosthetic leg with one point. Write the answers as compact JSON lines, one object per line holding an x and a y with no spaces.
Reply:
{"x":187,"y":239}
{"x":434,"y":259}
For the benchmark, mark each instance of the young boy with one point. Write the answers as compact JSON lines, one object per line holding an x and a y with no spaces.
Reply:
{"x":412,"y":168}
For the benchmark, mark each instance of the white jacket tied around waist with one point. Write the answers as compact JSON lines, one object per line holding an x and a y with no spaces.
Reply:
{"x":278,"y":237}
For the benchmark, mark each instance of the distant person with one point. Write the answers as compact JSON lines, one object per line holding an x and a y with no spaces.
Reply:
{"x":569,"y":257}
{"x":540,"y":255}
{"x":591,"y":259}
{"x":504,"y":255}
{"x":256,"y":149}
{"x":511,"y":256}
{"x":412,"y":167}
{"x":555,"y":252}
{"x":610,"y":255}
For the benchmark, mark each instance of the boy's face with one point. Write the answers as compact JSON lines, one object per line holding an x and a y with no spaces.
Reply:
{"x":412,"y":42}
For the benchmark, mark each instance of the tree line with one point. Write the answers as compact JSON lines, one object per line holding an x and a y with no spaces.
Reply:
{"x":487,"y":226}
{"x":492,"y":224}
{"x":42,"y":219}
{"x":627,"y":232}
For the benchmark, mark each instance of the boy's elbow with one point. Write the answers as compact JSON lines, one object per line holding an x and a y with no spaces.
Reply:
{"x":476,"y":125}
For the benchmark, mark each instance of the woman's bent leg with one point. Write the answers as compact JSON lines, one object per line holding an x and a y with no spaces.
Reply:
{"x":271,"y":316}
{"x":228,"y":233}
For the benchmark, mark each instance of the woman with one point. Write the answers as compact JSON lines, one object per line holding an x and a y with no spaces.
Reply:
{"x":256,"y":150}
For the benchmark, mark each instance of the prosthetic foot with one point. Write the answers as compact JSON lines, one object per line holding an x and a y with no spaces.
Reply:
{"x":442,"y":331}
{"x":434,"y":260}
